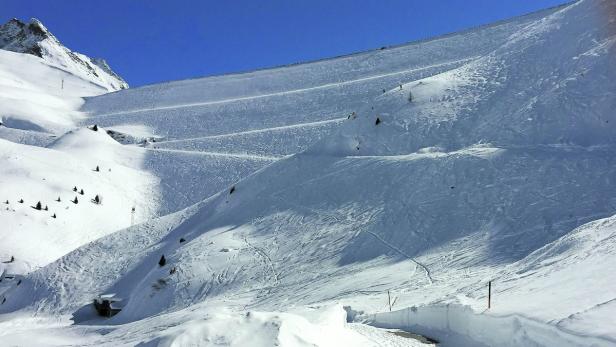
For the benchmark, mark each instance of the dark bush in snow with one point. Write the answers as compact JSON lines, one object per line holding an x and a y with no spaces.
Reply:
{"x":182,"y":240}
{"x":162,"y":261}
{"x":95,"y":127}
{"x":75,"y":188}
{"x":378,"y":121}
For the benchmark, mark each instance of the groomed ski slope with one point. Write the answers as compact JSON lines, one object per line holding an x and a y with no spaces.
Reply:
{"x":500,"y":169}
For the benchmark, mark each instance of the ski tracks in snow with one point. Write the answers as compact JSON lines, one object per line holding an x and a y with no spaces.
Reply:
{"x":295,"y":91}
{"x":267,"y":262}
{"x":417,"y":263}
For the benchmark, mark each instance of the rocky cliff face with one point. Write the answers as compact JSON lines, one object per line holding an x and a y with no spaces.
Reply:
{"x":34,"y":38}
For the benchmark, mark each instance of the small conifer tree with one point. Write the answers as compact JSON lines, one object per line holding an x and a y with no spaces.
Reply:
{"x":162,"y":261}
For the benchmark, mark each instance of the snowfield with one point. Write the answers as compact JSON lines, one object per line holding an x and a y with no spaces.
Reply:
{"x":330,"y":203}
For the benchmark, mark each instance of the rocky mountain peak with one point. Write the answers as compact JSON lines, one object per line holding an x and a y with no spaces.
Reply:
{"x":35,"y":39}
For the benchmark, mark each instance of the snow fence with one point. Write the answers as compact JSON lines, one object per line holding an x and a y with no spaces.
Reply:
{"x":457,"y":325}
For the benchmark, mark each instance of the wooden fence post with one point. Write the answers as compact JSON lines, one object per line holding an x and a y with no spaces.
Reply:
{"x":489,"y":294}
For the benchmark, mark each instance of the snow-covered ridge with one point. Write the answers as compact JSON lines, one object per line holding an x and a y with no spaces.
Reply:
{"x":34,"y":38}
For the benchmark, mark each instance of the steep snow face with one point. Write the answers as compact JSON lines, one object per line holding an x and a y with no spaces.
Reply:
{"x":541,"y":87}
{"x":224,"y":128}
{"x":37,"y":100}
{"x":33,"y":38}
{"x":42,"y":83}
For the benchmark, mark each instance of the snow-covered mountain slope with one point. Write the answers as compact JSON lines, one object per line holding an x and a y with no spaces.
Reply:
{"x":38,"y":100}
{"x":42,"y":83}
{"x":33,"y":174}
{"x":242,"y":122}
{"x":501,"y":167}
{"x":34,"y":38}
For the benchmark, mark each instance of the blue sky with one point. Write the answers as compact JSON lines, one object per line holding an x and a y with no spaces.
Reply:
{"x":149,"y":41}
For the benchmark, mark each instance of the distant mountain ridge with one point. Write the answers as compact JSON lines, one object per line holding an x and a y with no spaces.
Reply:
{"x":35,"y":39}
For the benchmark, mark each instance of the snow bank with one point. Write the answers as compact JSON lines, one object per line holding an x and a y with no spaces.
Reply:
{"x":263,"y":329}
{"x":455,"y":325}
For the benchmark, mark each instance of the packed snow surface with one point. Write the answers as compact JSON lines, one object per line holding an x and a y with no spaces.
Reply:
{"x":296,"y":205}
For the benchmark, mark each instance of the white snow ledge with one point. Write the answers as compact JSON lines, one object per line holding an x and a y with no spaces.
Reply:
{"x":460,"y":326}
